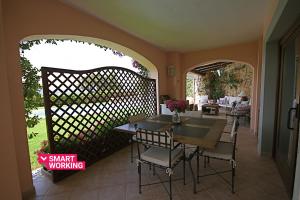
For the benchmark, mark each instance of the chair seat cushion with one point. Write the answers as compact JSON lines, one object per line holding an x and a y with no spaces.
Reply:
{"x":227,"y":128}
{"x":160,"y":156}
{"x":226,"y":137}
{"x":223,"y":151}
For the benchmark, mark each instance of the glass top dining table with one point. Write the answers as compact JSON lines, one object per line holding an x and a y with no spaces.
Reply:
{"x":202,"y":132}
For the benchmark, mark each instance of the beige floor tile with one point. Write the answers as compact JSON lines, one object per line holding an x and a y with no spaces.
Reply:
{"x":36,"y":198}
{"x":112,"y":193}
{"x":62,"y":196}
{"x":82,"y":194}
{"x":116,"y":178}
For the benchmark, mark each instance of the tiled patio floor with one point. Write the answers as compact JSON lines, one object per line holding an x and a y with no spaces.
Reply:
{"x":116,"y":178}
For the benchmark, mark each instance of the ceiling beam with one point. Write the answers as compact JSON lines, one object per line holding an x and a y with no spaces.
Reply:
{"x":210,"y":67}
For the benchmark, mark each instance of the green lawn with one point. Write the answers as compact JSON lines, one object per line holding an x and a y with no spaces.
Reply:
{"x":35,"y":142}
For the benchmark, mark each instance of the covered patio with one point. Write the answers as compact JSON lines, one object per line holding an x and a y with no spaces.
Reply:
{"x":115,"y":177}
{"x":170,"y":38}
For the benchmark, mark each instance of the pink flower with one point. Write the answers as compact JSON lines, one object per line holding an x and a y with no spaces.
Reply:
{"x":179,"y":105}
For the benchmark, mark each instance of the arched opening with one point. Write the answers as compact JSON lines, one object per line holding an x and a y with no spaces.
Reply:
{"x":153,"y":73}
{"x":127,"y":51}
{"x":221,"y":82}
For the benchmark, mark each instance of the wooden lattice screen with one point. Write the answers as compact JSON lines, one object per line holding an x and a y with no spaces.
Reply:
{"x":82,"y":108}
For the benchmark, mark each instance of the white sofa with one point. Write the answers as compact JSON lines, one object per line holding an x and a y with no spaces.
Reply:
{"x":227,"y":101}
{"x":202,"y":100}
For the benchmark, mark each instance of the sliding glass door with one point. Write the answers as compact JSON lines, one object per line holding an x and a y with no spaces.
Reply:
{"x":288,"y":110}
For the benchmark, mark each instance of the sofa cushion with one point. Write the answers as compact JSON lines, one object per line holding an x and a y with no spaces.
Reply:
{"x":222,"y":101}
{"x":203,"y":99}
{"x":232,"y":99}
{"x":227,"y":100}
{"x":223,"y":151}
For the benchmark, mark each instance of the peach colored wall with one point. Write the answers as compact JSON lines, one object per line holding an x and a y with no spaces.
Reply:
{"x":9,"y":185}
{"x":245,"y":53}
{"x":34,"y":17}
{"x":47,"y":17}
{"x":66,"y":20}
{"x":174,"y":83}
{"x":258,"y":85}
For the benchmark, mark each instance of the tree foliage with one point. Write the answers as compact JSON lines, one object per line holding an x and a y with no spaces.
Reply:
{"x":31,"y":77}
{"x":215,"y":83}
{"x":189,"y":87}
{"x":26,"y":45}
{"x":31,"y":91}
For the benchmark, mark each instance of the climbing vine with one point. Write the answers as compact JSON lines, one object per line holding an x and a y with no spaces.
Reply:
{"x":142,"y":70}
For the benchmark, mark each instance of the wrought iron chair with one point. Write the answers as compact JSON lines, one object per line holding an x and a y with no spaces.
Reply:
{"x":190,"y":152}
{"x":133,"y":119}
{"x":223,"y":151}
{"x":161,"y":153}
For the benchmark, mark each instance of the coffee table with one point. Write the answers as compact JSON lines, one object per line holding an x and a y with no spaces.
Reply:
{"x":210,"y":109}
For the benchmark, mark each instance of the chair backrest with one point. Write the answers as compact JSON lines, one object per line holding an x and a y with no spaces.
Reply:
{"x":233,"y":127}
{"x":155,"y":138}
{"x":235,"y":130}
{"x":136,"y":118}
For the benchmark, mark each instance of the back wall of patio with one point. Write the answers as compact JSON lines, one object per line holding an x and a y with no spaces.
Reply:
{"x":247,"y":53}
{"x":22,"y":19}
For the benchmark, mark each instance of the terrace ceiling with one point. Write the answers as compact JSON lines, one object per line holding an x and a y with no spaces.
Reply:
{"x":177,"y":25}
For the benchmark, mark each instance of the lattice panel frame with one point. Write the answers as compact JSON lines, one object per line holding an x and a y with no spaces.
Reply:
{"x":82,"y":108}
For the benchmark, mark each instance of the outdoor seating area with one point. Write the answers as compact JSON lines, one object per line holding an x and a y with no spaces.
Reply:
{"x":116,"y":177}
{"x":163,"y":100}
{"x":168,"y":159}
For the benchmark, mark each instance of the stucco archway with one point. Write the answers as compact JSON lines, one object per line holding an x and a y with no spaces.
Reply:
{"x":254,"y":112}
{"x":218,"y":60}
{"x":153,"y":72}
{"x":140,"y":58}
{"x":19,"y":25}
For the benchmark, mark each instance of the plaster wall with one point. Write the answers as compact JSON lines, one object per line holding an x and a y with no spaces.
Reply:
{"x":257,"y":79}
{"x":9,"y":185}
{"x":33,"y":17}
{"x":174,"y":83}
{"x":245,"y":53}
